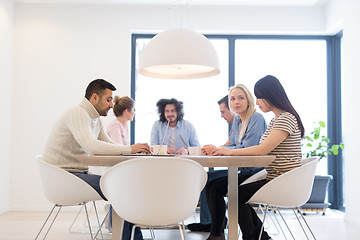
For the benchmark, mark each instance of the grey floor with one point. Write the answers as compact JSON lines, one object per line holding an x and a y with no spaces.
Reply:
{"x":25,"y":225}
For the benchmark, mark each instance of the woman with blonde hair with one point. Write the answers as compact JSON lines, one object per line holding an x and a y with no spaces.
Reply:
{"x":118,"y":131}
{"x":242,"y":103}
{"x":118,"y":128}
{"x":282,"y":138}
{"x":247,"y":128}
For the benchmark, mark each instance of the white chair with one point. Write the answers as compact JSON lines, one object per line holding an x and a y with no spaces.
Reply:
{"x":154,"y":191}
{"x":65,"y":189}
{"x":289,"y":190}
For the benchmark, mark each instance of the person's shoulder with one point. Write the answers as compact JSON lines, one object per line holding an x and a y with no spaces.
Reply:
{"x":75,"y":109}
{"x":287,"y":116}
{"x":157,"y":123}
{"x":287,"y":120}
{"x":185,"y":123}
{"x":257,"y":117}
{"x":236,"y":119}
{"x":114,"y":123}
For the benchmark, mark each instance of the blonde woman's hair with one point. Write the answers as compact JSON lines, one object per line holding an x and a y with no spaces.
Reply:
{"x":250,"y":111}
{"x":121,"y":104}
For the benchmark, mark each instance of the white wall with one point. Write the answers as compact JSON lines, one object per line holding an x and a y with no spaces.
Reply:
{"x":6,"y":59}
{"x":59,"y":49}
{"x":351,"y":114}
{"x":344,"y":15}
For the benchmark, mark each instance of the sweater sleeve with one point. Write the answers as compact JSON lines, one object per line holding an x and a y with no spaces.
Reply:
{"x":84,"y":130}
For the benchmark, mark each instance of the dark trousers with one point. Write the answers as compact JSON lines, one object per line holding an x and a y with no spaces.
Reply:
{"x":94,"y":181}
{"x":250,"y":223}
{"x":205,"y":217}
{"x":248,"y":220}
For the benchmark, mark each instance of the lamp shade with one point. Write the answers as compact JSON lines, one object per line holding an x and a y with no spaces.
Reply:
{"x":179,"y":54}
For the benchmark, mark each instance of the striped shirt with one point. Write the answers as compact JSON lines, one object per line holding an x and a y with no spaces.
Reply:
{"x":288,"y":152}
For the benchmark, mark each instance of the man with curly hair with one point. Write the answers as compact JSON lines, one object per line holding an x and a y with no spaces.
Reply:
{"x":171,"y":129}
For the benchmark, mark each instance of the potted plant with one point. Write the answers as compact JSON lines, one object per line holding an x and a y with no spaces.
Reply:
{"x":317,"y":145}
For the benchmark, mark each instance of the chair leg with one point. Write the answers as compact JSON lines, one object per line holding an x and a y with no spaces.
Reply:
{"x":278,"y":223}
{"x":182,"y":230}
{"x":152,"y":233}
{"x":102,"y":224}
{"x":47,"y":220}
{"x":87,"y":216}
{"x":304,"y":222}
{"x":262,"y":225}
{"x":285,"y":223}
{"x":133,"y":232}
{"x":307,"y":224}
{"x":271,"y":214}
{"x":76,"y":217}
{"x":97,"y":217}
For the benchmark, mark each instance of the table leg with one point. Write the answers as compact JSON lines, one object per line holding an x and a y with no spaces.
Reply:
{"x":117,"y":226}
{"x":233,"y":202}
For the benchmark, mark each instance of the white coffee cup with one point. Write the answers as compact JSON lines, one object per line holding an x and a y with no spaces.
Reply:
{"x":195,"y":151}
{"x":158,"y":149}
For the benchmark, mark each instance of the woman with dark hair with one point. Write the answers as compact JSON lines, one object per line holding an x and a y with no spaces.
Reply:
{"x":282,"y":138}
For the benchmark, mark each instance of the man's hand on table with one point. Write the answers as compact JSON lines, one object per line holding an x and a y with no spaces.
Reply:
{"x":170,"y":150}
{"x":140,"y":148}
{"x":182,"y":151}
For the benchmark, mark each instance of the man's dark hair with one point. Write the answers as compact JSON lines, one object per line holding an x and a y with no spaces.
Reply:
{"x":225,"y":100}
{"x":97,"y":86}
{"x":178,"y":106}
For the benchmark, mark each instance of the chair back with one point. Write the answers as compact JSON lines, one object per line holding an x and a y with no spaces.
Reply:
{"x":154,"y":190}
{"x":307,"y":160}
{"x":256,"y":177}
{"x":289,"y":190}
{"x":63,"y":188}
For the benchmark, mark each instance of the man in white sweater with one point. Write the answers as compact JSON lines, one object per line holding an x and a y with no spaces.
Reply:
{"x":80,"y":131}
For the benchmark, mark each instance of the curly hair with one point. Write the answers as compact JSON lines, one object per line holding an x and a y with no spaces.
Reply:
{"x":178,"y":106}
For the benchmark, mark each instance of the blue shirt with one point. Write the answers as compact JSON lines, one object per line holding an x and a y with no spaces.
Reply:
{"x":255,"y":129}
{"x":183,"y":128}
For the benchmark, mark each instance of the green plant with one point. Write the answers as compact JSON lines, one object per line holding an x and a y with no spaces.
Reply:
{"x":317,"y":145}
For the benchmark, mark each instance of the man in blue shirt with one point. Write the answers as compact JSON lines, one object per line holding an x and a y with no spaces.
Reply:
{"x":171,"y":129}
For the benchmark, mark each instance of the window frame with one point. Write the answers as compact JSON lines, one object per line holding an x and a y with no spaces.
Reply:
{"x":334,"y":127}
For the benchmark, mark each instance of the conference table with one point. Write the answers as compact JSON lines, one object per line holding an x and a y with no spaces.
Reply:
{"x":231,"y":162}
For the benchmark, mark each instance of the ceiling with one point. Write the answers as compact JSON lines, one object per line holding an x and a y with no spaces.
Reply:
{"x":194,"y":2}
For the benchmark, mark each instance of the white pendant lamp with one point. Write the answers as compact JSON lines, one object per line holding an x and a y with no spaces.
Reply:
{"x":179,"y":54}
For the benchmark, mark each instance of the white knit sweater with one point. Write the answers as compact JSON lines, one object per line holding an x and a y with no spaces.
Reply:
{"x":78,"y":132}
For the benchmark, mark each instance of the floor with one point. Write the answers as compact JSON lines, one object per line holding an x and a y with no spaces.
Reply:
{"x":25,"y":225}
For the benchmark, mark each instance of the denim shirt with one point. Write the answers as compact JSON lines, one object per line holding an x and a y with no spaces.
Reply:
{"x":255,"y":129}
{"x":183,"y":128}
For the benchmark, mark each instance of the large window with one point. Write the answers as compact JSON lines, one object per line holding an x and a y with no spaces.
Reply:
{"x":302,"y":64}
{"x":199,"y":96}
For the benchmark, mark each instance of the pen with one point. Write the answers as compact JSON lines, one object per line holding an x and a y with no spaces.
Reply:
{"x":183,"y":142}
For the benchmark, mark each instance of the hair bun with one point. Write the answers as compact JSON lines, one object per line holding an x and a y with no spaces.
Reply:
{"x":116,"y":99}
